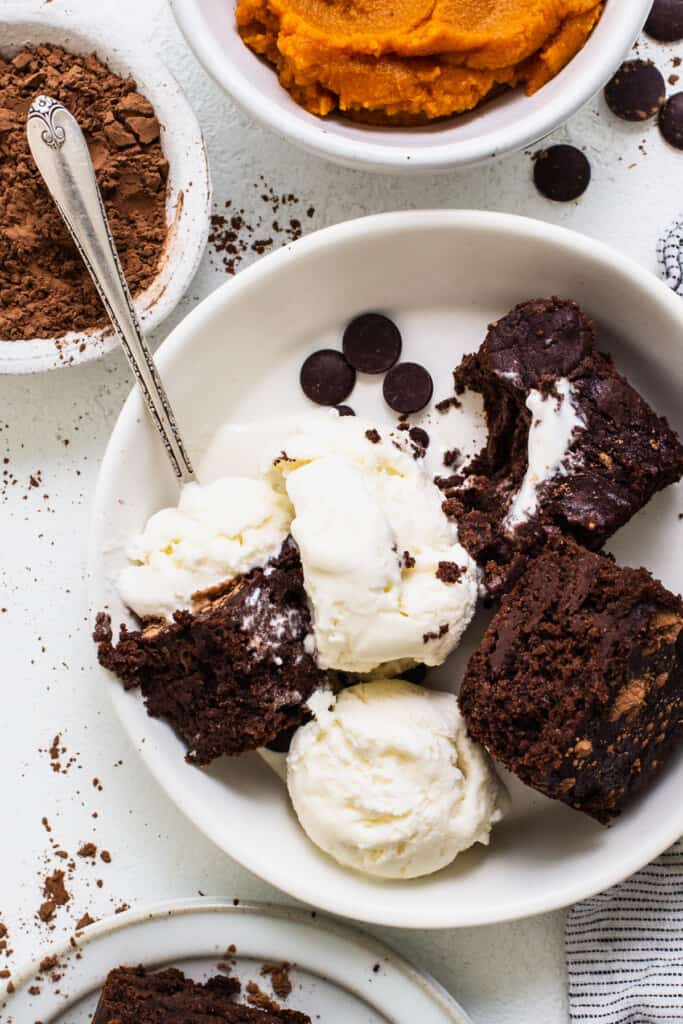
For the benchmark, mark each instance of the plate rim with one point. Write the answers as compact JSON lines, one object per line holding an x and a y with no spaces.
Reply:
{"x":354,"y":937}
{"x":319,"y":242}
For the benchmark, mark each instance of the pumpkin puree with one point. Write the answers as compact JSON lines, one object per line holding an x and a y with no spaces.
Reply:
{"x":410,"y":61}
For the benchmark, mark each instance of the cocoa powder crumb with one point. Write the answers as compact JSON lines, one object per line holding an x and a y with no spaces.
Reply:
{"x":279,"y":978}
{"x":45,"y":289}
{"x":84,"y":921}
{"x":105,"y":856}
{"x":87,"y":850}
{"x":257,"y":997}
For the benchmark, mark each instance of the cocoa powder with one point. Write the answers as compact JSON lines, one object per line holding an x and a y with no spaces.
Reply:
{"x":45,"y":290}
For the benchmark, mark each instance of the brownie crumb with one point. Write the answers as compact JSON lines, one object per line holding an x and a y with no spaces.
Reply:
{"x":449,"y":572}
{"x":443,"y":629}
{"x":407,"y":560}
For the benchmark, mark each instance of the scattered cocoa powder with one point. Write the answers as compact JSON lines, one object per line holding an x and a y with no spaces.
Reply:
{"x":257,"y":997}
{"x":55,"y":894}
{"x":87,"y":850}
{"x":45,"y":289}
{"x":236,"y":235}
{"x":279,"y":978}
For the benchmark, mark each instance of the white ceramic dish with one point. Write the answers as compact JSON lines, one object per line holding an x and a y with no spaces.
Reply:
{"x":189,"y":192}
{"x":501,"y":126}
{"x":338,"y":975}
{"x":443,"y":276}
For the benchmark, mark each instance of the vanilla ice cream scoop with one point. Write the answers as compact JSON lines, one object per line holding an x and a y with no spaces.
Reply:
{"x":218,"y":531}
{"x":387,"y":580}
{"x":386,"y":780}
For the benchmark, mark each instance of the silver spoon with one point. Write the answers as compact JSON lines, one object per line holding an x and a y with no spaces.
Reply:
{"x":61,"y":154}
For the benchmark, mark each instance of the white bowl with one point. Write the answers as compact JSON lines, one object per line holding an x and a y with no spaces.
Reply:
{"x":189,"y":191}
{"x":443,"y":275}
{"x":508,"y":123}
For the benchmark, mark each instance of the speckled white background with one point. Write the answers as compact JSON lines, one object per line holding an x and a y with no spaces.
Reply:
{"x":55,"y":427}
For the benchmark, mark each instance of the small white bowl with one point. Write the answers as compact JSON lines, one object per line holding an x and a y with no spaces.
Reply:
{"x":443,"y":275}
{"x":508,"y":123}
{"x":189,"y":190}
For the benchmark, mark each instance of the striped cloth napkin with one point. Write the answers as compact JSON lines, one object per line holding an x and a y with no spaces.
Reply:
{"x":625,"y":949}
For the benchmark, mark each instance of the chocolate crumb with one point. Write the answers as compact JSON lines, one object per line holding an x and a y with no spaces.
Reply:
{"x":373,"y":436}
{"x":449,"y":572}
{"x":279,"y":978}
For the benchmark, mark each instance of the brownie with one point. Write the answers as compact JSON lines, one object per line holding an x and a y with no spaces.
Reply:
{"x":577,"y":685}
{"x":133,"y":995}
{"x":234,"y":674}
{"x":620,"y":457}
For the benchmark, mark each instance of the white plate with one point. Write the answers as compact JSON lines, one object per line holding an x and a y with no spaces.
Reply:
{"x":338,"y":975}
{"x":508,"y":123}
{"x":443,"y":276}
{"x":189,"y":191}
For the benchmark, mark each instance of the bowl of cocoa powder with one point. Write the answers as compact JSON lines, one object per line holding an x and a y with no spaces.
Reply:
{"x":149,"y":156}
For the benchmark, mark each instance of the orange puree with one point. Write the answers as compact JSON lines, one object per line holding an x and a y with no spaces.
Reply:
{"x":409,"y":61}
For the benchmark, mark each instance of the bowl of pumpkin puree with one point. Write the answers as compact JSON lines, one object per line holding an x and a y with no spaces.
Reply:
{"x":411,"y":84}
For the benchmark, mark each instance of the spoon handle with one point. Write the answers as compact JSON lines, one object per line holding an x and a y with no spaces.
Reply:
{"x":61,"y":154}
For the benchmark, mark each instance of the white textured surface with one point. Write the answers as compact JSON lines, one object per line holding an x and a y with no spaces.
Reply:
{"x":505,"y":974}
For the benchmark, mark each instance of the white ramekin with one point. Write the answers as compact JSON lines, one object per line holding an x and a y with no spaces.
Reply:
{"x":508,"y":123}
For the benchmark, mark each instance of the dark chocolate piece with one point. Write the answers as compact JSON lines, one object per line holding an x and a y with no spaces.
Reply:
{"x":134,"y":995}
{"x":561,"y":173}
{"x":372,"y":343}
{"x":637,"y":91}
{"x":408,"y":387}
{"x":577,"y":685}
{"x":235,"y":674}
{"x":622,"y":456}
{"x":665,"y":21}
{"x":326,"y":377}
{"x":419,"y":436}
{"x":671,"y":120}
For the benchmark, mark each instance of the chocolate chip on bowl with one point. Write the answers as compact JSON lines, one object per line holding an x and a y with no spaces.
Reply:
{"x":151,"y":167}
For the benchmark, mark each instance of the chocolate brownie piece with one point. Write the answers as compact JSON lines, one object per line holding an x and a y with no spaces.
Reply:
{"x":577,"y":685}
{"x":231,"y":676}
{"x":133,"y":995}
{"x":618,"y":456}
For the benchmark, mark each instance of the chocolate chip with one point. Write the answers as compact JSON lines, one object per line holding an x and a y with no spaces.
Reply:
{"x":561,"y":173}
{"x":372,"y":343}
{"x":345,"y":410}
{"x":671,"y":120}
{"x":637,"y":91}
{"x":419,"y":436}
{"x":326,"y":377}
{"x":665,"y":22}
{"x":408,"y":387}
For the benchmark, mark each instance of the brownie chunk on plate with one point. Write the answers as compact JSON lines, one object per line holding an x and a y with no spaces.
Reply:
{"x":571,"y":446}
{"x":231,"y":676}
{"x":133,"y":995}
{"x":577,"y":685}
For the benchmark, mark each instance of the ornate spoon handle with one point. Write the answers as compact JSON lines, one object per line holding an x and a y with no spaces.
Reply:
{"x":62,"y":157}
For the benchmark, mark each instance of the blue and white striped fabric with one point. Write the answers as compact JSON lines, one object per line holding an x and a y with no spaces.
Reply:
{"x":670,"y":256}
{"x":625,"y":949}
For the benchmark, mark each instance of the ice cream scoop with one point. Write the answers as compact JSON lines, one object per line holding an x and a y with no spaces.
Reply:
{"x":385,"y":574}
{"x":217,"y":532}
{"x":386,"y":780}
